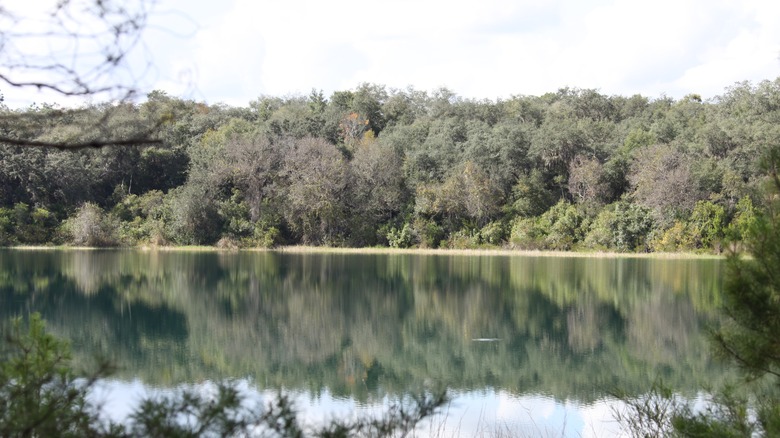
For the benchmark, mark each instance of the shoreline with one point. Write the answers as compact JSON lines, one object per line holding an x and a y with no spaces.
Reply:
{"x":303,"y":249}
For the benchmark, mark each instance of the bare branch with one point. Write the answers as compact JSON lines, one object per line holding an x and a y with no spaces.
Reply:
{"x":80,"y":145}
{"x":79,"y":48}
{"x":75,"y":49}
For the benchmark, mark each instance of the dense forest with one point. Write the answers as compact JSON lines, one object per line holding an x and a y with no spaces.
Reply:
{"x":569,"y":170}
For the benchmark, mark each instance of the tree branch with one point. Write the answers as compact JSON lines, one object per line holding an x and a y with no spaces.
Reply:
{"x":93,"y":144}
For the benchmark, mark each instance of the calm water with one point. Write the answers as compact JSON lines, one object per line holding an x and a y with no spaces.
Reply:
{"x":532,"y":343}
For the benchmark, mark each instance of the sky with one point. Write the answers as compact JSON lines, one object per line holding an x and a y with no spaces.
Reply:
{"x":234,"y":51}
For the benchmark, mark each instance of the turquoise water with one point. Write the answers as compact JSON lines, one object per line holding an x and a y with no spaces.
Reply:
{"x":531,"y":343}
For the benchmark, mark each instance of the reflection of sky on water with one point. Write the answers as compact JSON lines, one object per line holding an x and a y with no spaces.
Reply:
{"x":497,"y":330}
{"x":474,"y":413}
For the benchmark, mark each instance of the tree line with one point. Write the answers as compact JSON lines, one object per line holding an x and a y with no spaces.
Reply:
{"x":568,"y":170}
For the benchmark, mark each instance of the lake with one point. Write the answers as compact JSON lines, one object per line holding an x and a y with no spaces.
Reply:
{"x":530,"y":344}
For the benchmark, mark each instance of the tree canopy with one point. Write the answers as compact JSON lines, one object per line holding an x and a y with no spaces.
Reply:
{"x":361,"y":166}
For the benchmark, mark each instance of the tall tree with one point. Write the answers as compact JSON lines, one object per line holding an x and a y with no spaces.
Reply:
{"x":752,"y":292}
{"x":316,"y":199}
{"x":377,"y":189}
{"x":661,"y":179}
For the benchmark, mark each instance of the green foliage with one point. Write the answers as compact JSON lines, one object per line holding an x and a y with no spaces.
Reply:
{"x":266,"y":236}
{"x":563,"y":226}
{"x":403,"y":238}
{"x":620,"y":226}
{"x":707,"y":224}
{"x":332,"y":171}
{"x":235,"y":215}
{"x":531,"y":194}
{"x":526,"y":234}
{"x":39,"y":391}
{"x":704,"y":230}
{"x":675,"y":238}
{"x":752,"y":301}
{"x":6,"y":227}
{"x":559,"y":228}
{"x":143,"y":218}
{"x":494,"y":233}
{"x":33,"y":225}
{"x":638,"y":138}
{"x":743,"y":221}
{"x":429,"y":233}
{"x":240,"y":230}
{"x":747,"y":336}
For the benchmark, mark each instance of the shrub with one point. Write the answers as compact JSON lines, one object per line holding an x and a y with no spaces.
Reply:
{"x":403,"y":238}
{"x":265,"y":236}
{"x":462,"y":239}
{"x":622,"y":226}
{"x":526,"y":234}
{"x":559,"y":228}
{"x":91,"y":226}
{"x":563,"y":222}
{"x":6,"y":227}
{"x":31,"y":224}
{"x":142,"y":218}
{"x":674,"y":238}
{"x":744,"y":219}
{"x":707,"y":225}
{"x":494,"y":233}
{"x":429,"y":233}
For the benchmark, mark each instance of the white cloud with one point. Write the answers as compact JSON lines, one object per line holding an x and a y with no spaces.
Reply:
{"x":599,"y":418}
{"x":236,"y":51}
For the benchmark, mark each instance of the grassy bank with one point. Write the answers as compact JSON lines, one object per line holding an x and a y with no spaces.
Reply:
{"x":302,"y":249}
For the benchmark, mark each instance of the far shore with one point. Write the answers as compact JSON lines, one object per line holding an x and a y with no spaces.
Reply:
{"x":301,"y":249}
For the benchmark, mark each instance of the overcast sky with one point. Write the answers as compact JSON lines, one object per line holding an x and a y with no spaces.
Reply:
{"x":233,"y":51}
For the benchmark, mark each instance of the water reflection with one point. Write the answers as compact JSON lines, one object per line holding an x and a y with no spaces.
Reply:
{"x":471,"y":413}
{"x":367,"y":326}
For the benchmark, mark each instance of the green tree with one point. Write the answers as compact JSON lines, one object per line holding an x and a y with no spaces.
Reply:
{"x":34,"y":225}
{"x":748,"y":337}
{"x":743,"y":221}
{"x":317,"y":179}
{"x":707,"y":225}
{"x":752,"y":294}
{"x":376,"y":184}
{"x":468,"y":197}
{"x":586,"y":180}
{"x":39,"y":393}
{"x":531,"y":194}
{"x":559,"y":228}
{"x":622,"y":226}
